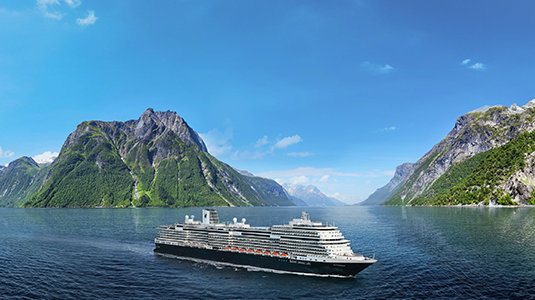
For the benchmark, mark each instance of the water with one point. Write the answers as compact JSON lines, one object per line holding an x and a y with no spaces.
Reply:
{"x":422,"y":252}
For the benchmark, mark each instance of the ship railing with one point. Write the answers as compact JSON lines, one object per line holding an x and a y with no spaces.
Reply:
{"x":355,"y":256}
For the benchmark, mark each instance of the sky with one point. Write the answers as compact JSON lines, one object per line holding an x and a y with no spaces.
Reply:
{"x":334,"y":94}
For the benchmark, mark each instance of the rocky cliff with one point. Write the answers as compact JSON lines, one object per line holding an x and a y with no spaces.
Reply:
{"x":475,"y":132}
{"x":156,"y":160}
{"x":403,"y":172}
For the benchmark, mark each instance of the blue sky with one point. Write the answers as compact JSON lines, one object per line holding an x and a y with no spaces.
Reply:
{"x":330,"y":93}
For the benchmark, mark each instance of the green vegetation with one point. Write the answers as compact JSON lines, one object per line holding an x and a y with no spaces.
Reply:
{"x":105,"y":166}
{"x":90,"y":174}
{"x":452,"y":177}
{"x":474,"y":181}
{"x":498,"y":165}
{"x":20,"y":181}
{"x":477,"y":180}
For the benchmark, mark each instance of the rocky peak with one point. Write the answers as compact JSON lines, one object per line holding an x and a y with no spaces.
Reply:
{"x":530,"y":104}
{"x":311,"y":195}
{"x":159,"y":122}
{"x":149,"y":126}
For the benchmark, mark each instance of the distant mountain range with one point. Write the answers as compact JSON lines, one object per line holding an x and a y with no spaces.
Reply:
{"x":309,"y":196}
{"x":488,"y":158}
{"x":156,"y":160}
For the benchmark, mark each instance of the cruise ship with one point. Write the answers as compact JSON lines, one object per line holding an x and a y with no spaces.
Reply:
{"x":300,"y":247}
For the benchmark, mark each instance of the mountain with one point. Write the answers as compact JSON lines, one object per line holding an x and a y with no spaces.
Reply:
{"x":295,"y":200}
{"x":310,"y":195}
{"x":20,"y":180}
{"x":501,"y":176}
{"x":403,"y":172}
{"x":156,"y":160}
{"x":456,"y":157}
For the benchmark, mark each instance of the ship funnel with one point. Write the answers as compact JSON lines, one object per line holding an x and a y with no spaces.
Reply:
{"x":209,"y":216}
{"x":235,"y":220}
{"x":243,"y":220}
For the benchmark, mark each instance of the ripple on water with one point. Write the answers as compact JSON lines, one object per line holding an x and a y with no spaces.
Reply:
{"x":448,"y":253}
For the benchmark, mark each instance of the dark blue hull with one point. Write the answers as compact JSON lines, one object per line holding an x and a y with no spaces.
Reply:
{"x":268,"y":262}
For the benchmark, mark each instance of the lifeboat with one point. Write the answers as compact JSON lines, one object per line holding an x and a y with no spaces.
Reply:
{"x":258,"y":251}
{"x":235,"y":249}
{"x":250,"y":250}
{"x":275,"y":253}
{"x":284,"y":254}
{"x":267,"y":252}
{"x":242,"y":249}
{"x":227,"y":248}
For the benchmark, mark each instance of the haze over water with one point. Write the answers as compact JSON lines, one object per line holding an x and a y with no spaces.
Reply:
{"x":422,"y":252}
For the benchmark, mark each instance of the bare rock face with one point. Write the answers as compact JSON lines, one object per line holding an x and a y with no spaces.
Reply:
{"x":157,"y":129}
{"x":158,"y":123}
{"x":475,"y":132}
{"x":403,"y":172}
{"x":521,"y":185}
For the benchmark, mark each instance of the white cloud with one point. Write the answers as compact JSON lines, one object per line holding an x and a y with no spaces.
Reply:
{"x":261,"y":142}
{"x":6,"y":153}
{"x":249,"y":155}
{"x":217,"y":142}
{"x":43,"y":8}
{"x":478,"y":66}
{"x":368,"y":182}
{"x":300,"y":154}
{"x":389,"y":128}
{"x":386,"y":69}
{"x":300,"y":179}
{"x":287,"y":141}
{"x":73,"y":3}
{"x":336,"y":194}
{"x":45,"y":157}
{"x":324,"y":178}
{"x":377,"y":69}
{"x":319,"y":172}
{"x":89,"y":20}
{"x":260,"y":150}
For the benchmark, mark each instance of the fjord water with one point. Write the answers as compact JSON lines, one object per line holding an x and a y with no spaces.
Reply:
{"x":422,"y":252}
